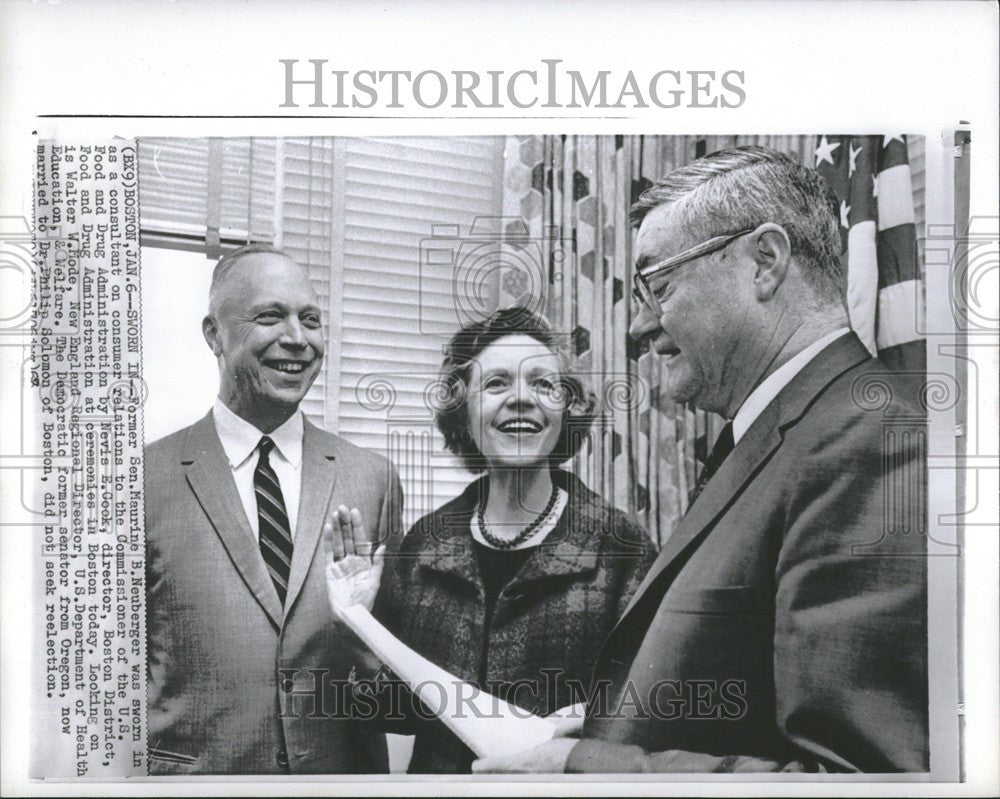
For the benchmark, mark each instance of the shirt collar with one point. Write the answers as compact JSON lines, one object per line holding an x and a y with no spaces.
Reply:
{"x":240,"y":438}
{"x":772,"y":385}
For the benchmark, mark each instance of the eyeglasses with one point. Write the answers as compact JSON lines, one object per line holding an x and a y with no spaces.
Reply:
{"x":641,"y":289}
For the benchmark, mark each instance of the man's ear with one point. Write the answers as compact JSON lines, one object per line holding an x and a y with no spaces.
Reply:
{"x":772,"y":254}
{"x":210,"y":330}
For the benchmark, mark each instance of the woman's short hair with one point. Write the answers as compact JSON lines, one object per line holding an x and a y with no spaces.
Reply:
{"x":451,"y":412}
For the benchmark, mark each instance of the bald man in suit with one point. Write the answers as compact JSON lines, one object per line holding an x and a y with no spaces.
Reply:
{"x":248,"y":672}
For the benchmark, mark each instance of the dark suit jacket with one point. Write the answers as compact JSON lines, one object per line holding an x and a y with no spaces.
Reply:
{"x":784,"y":624}
{"x":232,"y":676}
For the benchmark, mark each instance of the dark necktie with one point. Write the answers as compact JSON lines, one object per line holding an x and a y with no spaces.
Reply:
{"x":720,"y":450}
{"x":275,"y":532}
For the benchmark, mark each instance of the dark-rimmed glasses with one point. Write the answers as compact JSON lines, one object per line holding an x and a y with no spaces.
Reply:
{"x":641,"y":289}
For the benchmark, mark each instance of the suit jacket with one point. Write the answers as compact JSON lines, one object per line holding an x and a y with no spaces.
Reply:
{"x":784,"y":623}
{"x":236,"y":683}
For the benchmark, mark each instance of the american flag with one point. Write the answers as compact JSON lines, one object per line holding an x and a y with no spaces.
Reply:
{"x":885,"y":298}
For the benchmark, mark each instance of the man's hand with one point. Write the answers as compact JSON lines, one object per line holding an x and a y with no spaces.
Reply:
{"x":569,"y":720}
{"x":547,"y":758}
{"x":352,"y":576}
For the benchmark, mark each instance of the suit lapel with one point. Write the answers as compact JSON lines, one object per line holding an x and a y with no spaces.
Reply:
{"x":757,"y":444}
{"x":318,"y":478}
{"x":210,"y":477}
{"x":727,"y":483}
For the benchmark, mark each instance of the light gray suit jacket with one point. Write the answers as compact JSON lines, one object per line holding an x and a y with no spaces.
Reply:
{"x":237,"y":684}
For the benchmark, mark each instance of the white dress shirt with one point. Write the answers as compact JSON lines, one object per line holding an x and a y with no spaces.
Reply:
{"x":754,"y":405}
{"x":240,"y":439}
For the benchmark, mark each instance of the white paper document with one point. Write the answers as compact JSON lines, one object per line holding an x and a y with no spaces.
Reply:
{"x":484,"y":722}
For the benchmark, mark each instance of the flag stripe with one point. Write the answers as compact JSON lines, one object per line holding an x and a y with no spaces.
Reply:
{"x":275,"y":539}
{"x":278,"y":576}
{"x":862,"y":282}
{"x":897,"y":261}
{"x":900,"y":314}
{"x":895,"y":197}
{"x":871,"y":178}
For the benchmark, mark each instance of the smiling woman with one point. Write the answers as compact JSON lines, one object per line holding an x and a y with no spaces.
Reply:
{"x":513,"y":585}
{"x":513,"y":406}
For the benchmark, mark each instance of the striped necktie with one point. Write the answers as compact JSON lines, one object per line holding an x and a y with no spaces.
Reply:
{"x":275,"y":532}
{"x":720,"y":451}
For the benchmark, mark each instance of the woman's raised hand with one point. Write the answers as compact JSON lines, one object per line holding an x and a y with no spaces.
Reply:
{"x":352,"y":573}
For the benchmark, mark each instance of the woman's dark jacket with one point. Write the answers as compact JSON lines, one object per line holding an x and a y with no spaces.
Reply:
{"x":550,"y":620}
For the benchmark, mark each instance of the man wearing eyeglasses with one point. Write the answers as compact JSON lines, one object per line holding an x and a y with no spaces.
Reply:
{"x":783,"y":626}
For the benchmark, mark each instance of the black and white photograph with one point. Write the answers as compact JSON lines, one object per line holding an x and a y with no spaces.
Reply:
{"x":763,"y":620}
{"x":432,"y":423}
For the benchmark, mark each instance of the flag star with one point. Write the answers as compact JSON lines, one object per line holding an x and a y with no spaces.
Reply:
{"x":853,"y":165}
{"x":825,"y":151}
{"x":845,"y":209}
{"x":874,"y":185}
{"x":886,"y":140}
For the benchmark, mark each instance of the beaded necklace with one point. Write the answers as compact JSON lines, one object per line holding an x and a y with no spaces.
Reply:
{"x":525,"y":534}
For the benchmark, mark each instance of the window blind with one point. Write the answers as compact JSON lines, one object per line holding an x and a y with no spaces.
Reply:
{"x":916,"y":150}
{"x":306,"y":191}
{"x":206,"y":195}
{"x":358,"y":213}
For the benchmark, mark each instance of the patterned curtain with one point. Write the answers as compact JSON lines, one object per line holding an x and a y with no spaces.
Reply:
{"x":565,"y":207}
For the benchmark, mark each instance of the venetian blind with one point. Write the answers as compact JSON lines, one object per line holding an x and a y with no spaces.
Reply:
{"x":306,"y":193}
{"x":358,"y":214}
{"x":206,"y":195}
